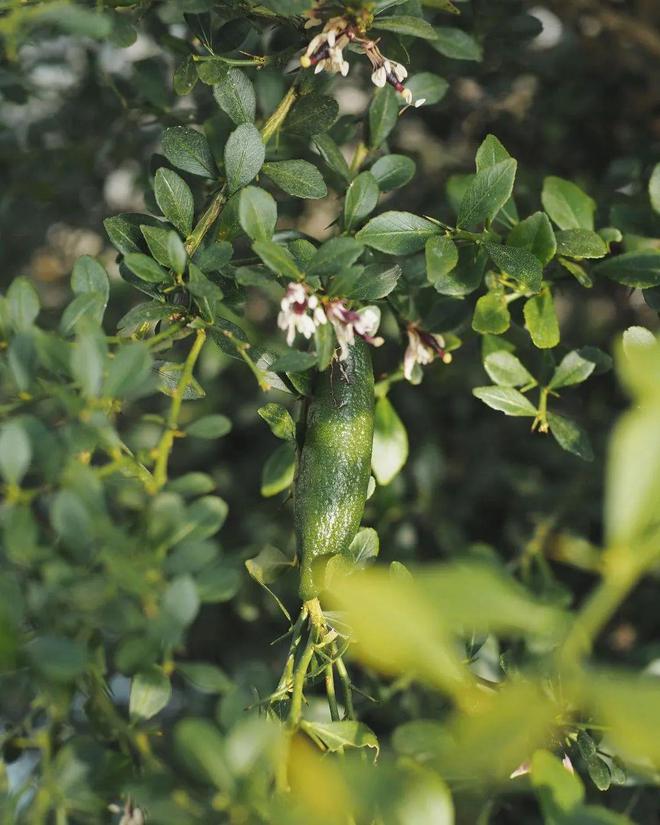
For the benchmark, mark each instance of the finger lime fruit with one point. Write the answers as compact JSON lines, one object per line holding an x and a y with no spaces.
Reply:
{"x":330,"y":490}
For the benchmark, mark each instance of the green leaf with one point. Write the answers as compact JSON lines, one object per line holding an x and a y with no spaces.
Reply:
{"x":312,"y":115}
{"x":268,"y":565}
{"x":580,"y":243}
{"x":145,"y":268}
{"x":72,"y":521}
{"x":629,"y":707}
{"x":393,"y":171}
{"x":235,"y":96}
{"x":490,"y":152}
{"x":157,"y":239}
{"x":633,"y":476}
{"x":325,"y":343}
{"x":150,"y":692}
{"x":390,"y":450}
{"x":189,"y":150}
{"x":506,"y":370}
{"x":57,"y":658}
{"x":15,"y":452}
{"x":292,"y":360}
{"x":334,"y":255}
{"x":180,"y":602}
{"x":278,"y":259}
{"x":567,"y":205}
{"x":336,"y":736}
{"x":599,"y":773}
{"x":168,"y":375}
{"x":577,"y":271}
{"x":535,"y":234}
{"x":211,"y":72}
{"x":87,"y":363}
{"x":375,"y":282}
{"x":541,"y":320}
{"x":456,"y":43}
{"x":296,"y":177}
{"x":520,"y":264}
{"x":279,"y":420}
{"x":204,"y":677}
{"x":279,"y":470}
{"x":397,"y":233}
{"x":88,"y":306}
{"x":176,"y":252}
{"x":332,"y":155}
{"x":89,"y":277}
{"x":23,"y":303}
{"x":128,"y":371}
{"x":640,"y":270}
{"x":244,"y":156}
{"x":201,"y":749}
{"x":209,"y":426}
{"x":573,"y":369}
{"x":487,"y":193}
{"x":407,"y":25}
{"x":383,"y":115}
{"x":361,"y":199}
{"x":491,"y":314}
{"x":441,"y":258}
{"x":505,"y":399}
{"x":365,"y":546}
{"x":654,"y":188}
{"x":124,"y":231}
{"x":430,"y":88}
{"x":559,"y":790}
{"x":257,"y":212}
{"x":174,"y":199}
{"x":185,"y":76}
{"x":570,"y":436}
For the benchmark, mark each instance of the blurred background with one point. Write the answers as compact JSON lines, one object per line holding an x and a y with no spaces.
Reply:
{"x":570,"y":87}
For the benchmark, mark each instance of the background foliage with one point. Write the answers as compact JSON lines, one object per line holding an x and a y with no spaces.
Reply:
{"x":133,"y":635}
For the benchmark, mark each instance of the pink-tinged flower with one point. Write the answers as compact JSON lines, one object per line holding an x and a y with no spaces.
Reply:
{"x":423,"y":347}
{"x":348,"y":323}
{"x":300,"y":311}
{"x":325,"y":51}
{"x":521,"y":770}
{"x":388,"y":71}
{"x":566,"y":762}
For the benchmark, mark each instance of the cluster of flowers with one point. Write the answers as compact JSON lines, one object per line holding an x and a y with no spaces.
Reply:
{"x":301,"y":311}
{"x":326,"y":51}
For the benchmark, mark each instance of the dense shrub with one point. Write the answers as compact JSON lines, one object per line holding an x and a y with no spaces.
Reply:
{"x":274,"y":272}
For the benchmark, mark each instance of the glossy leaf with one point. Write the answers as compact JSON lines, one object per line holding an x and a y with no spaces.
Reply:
{"x":397,"y":233}
{"x":390,"y":450}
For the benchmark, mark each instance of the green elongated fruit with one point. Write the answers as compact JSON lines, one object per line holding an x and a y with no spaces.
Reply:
{"x":333,"y":473}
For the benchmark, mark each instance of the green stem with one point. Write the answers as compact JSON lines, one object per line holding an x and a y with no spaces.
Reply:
{"x":359,"y":157}
{"x":619,"y":578}
{"x":330,"y":691}
{"x":295,"y":709}
{"x":345,"y":680}
{"x":167,"y":439}
{"x":206,"y":222}
{"x":278,"y":117}
{"x":255,"y":60}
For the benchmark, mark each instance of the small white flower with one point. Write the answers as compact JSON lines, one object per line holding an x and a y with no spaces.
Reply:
{"x":422,"y":348}
{"x":406,"y":94}
{"x":521,"y":770}
{"x":348,"y":323}
{"x":300,"y":312}
{"x":399,"y":71}
{"x":379,"y":77}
